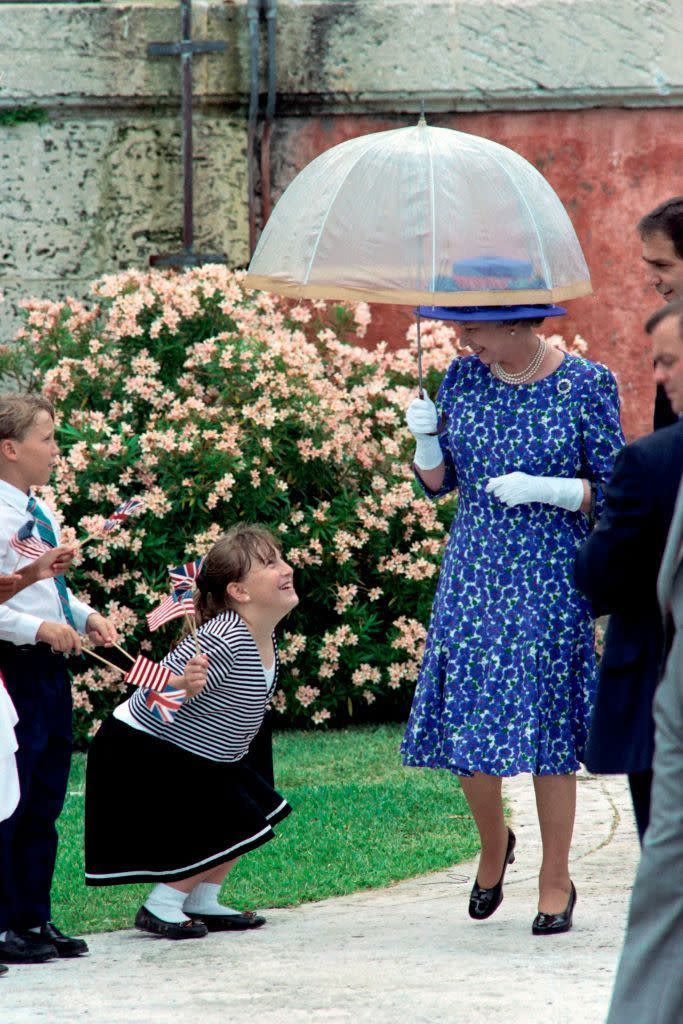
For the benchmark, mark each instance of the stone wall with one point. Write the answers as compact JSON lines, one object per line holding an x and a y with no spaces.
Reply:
{"x":97,"y":186}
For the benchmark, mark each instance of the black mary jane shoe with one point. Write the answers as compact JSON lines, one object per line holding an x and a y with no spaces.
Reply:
{"x":146,"y":921}
{"x":484,"y":902}
{"x":555,"y":924}
{"x":230,"y":922}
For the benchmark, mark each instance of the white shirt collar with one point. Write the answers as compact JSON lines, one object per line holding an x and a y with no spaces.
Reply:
{"x":13,"y":496}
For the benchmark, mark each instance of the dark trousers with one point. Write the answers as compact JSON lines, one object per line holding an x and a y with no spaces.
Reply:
{"x":640,"y":784}
{"x":38,"y":683}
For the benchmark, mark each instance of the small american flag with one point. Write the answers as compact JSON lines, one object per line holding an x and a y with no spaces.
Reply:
{"x":24,"y":543}
{"x":170,"y":608}
{"x":148,"y":674}
{"x":166,"y":704}
{"x":183,"y":576}
{"x":120,"y":514}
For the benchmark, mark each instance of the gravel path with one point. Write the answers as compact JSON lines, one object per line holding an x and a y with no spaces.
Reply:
{"x":409,"y":953}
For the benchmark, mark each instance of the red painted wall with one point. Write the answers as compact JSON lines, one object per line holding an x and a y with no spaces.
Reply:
{"x":608,"y":167}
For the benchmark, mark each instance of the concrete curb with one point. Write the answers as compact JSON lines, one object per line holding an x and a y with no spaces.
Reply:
{"x":408,"y":953}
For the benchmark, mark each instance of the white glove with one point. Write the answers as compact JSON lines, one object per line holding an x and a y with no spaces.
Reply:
{"x":521,"y":488}
{"x":422,"y":419}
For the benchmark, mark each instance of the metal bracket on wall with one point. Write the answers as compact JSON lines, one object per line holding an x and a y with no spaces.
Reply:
{"x":257,"y":10}
{"x":185,"y":49}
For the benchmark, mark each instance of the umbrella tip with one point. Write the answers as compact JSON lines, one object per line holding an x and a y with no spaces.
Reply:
{"x":422,"y":122}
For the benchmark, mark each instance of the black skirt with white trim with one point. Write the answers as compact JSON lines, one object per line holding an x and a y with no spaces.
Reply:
{"x":156,"y":813}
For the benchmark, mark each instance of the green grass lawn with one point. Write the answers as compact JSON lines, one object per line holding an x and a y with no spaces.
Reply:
{"x":360,"y":821}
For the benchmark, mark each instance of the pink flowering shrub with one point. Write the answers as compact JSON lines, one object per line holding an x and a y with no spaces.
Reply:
{"x":215,"y":405}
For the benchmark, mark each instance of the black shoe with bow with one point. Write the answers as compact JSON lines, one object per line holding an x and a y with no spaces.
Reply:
{"x":146,"y":921}
{"x":484,"y":902}
{"x":229,"y":922}
{"x":555,"y":924}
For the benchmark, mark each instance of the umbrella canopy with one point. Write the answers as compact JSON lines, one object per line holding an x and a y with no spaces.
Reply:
{"x":420,"y":216}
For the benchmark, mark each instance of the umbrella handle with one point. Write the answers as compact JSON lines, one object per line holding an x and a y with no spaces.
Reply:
{"x":420,"y":388}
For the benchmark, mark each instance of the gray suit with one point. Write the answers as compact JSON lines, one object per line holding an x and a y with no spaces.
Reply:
{"x":649,"y":984}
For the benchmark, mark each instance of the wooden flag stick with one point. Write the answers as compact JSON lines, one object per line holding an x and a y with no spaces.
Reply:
{"x":86,"y":540}
{"x":117,"y":668}
{"x":193,"y":626}
{"x":123,"y":651}
{"x":97,"y":535}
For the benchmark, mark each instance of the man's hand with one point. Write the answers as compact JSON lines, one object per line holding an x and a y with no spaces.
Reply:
{"x":100,"y":630}
{"x":60,"y":637}
{"x":54,"y":562}
{"x":8,"y":585}
{"x":193,"y":679}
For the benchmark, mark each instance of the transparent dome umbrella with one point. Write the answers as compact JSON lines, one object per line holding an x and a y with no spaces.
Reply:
{"x":420,"y":216}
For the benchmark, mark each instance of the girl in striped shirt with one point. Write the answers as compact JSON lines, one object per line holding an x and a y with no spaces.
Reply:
{"x":177,"y":803}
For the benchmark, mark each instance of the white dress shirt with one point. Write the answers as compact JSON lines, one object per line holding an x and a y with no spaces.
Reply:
{"x":22,"y":615}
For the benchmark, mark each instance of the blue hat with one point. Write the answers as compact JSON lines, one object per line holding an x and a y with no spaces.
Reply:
{"x":490,"y":274}
{"x":489,"y":313}
{"x":511,"y":271}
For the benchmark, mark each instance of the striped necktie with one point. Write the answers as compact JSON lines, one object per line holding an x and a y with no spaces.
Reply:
{"x":47,"y":534}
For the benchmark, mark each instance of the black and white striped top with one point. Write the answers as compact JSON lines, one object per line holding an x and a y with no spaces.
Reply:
{"x":222,"y":720}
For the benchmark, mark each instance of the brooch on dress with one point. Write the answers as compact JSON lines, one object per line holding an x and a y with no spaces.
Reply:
{"x":564,"y":386}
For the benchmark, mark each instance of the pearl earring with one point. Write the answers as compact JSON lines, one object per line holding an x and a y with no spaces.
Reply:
{"x":512,"y":330}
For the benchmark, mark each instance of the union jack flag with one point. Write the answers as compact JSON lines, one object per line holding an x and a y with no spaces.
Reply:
{"x":165,"y":705}
{"x":183,"y":576}
{"x":26,"y":544}
{"x":120,"y":514}
{"x":148,"y":675}
{"x":170,"y":608}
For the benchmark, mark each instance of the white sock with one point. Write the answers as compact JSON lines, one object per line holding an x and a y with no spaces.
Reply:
{"x":204,"y":900}
{"x":3,"y":936}
{"x":167,"y":903}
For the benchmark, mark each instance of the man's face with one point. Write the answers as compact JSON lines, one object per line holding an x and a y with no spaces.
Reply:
{"x":665,"y":266}
{"x":667,"y":351}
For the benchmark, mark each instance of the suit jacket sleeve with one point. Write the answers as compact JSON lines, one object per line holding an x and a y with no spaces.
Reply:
{"x":671,"y":559}
{"x":619,"y":562}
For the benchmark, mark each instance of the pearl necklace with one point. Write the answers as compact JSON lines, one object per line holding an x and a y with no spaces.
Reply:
{"x":524,"y":375}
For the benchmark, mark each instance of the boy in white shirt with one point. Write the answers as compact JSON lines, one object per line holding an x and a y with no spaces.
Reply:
{"x":39,"y":626}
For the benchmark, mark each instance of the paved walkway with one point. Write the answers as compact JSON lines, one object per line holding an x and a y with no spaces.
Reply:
{"x":407,"y":954}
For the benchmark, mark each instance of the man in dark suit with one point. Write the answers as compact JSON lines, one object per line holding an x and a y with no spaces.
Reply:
{"x":661,"y":233}
{"x":617,"y":568}
{"x":648,"y":984}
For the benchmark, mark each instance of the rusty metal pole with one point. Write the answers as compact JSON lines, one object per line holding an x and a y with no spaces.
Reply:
{"x":186,"y":89}
{"x":185,"y":49}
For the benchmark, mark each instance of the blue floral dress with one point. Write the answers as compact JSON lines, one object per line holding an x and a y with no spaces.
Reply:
{"x":509,"y":670}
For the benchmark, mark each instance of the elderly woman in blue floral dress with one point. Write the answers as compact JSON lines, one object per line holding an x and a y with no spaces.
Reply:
{"x":527,"y":434}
